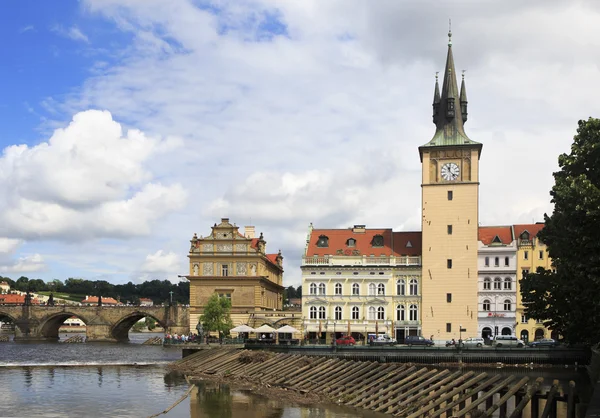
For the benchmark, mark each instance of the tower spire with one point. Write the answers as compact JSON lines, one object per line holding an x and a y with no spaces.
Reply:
{"x":436,"y":99}
{"x":447,"y":117}
{"x":463,"y":99}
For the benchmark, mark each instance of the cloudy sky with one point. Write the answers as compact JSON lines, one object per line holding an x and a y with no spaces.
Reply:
{"x":128,"y":125}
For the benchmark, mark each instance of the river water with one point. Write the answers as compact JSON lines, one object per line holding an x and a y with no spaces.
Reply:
{"x":122,"y":380}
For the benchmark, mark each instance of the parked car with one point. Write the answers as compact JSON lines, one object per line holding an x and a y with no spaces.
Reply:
{"x":544,"y":342}
{"x":507,"y":341}
{"x":473,"y":342}
{"x":417,"y":340}
{"x":347,"y":340}
{"x":468,"y":342}
{"x":384,"y":340}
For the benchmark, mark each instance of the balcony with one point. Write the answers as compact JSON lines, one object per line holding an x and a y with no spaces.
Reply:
{"x":336,"y":260}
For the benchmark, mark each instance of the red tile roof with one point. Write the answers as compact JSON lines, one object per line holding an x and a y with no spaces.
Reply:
{"x":533,"y":229}
{"x":105,"y":300}
{"x":394,"y":243}
{"x":272,"y":258}
{"x":488,"y":233}
{"x":16,"y":299}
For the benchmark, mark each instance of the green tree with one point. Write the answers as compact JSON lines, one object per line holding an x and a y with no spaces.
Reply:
{"x":567,"y":297}
{"x":216,"y":315}
{"x":150,"y":323}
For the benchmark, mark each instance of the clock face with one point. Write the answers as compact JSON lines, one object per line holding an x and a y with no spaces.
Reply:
{"x":450,"y":171}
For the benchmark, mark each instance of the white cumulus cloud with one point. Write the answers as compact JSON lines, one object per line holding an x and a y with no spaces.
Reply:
{"x":88,"y":180}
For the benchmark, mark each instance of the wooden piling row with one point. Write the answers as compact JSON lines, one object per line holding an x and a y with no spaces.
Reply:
{"x":392,"y":388}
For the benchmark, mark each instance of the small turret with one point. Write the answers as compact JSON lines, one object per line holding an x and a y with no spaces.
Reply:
{"x":436,"y":99}
{"x":463,"y":99}
{"x":261,"y":245}
{"x":279,"y":259}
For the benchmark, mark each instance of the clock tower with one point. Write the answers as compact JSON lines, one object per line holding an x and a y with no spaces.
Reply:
{"x":450,"y":215}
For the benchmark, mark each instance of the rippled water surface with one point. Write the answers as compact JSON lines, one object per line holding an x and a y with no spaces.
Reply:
{"x":121,"y":380}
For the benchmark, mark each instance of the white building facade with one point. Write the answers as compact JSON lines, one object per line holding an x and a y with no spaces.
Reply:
{"x":361,"y":282}
{"x":497,"y":281}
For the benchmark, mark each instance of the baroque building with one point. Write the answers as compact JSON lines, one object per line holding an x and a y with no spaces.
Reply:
{"x":361,"y":281}
{"x":497,"y":297}
{"x":450,"y":214}
{"x":238,"y":267}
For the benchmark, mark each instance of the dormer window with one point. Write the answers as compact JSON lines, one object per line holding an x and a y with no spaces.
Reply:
{"x":323,"y":241}
{"x":351,"y":242}
{"x":525,"y":236}
{"x":496,"y":240}
{"x":409,"y":244}
{"x":377,"y":241}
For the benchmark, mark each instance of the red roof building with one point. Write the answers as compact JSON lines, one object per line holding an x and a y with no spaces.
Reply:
{"x":93,"y":300}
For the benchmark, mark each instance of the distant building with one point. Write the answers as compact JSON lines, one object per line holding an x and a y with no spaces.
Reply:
{"x":73,"y":322}
{"x":146,"y":302}
{"x":4,"y":287}
{"x":93,"y":300}
{"x":237,"y":266}
{"x":294,"y":303}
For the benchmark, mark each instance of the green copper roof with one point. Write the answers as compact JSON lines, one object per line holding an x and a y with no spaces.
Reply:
{"x":448,"y":109}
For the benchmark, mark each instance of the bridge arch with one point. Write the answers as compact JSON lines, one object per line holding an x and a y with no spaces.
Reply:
{"x":120,"y":330}
{"x":50,"y":325}
{"x":4,"y":315}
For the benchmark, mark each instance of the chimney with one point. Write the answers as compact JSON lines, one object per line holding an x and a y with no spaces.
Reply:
{"x":359,"y":229}
{"x":224,"y":220}
{"x":249,"y":231}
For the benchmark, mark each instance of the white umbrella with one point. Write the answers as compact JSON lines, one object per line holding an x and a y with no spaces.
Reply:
{"x":242,"y":328}
{"x":287,"y":330}
{"x":264,"y":328}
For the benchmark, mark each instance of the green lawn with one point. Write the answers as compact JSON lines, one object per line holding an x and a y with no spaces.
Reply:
{"x":66,"y":296}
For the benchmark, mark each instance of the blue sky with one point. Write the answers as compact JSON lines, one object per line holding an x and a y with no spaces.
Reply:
{"x":128,"y":125}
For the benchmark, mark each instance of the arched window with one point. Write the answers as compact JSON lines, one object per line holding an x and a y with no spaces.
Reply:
{"x":372,"y":289}
{"x":321,"y":288}
{"x":356,"y":289}
{"x":338,"y":313}
{"x":506,"y":261}
{"x":497,"y":283}
{"x":507,"y":305}
{"x":313,"y":289}
{"x":400,"y":287}
{"x":355,"y":312}
{"x":380,"y":313}
{"x":338,"y":288}
{"x":486,"y":305}
{"x":487,"y":284}
{"x":539,"y":333}
{"x":321,"y":312}
{"x":313,"y":312}
{"x":372,"y":313}
{"x":507,"y":283}
{"x":414,"y":287}
{"x":381,"y":289}
{"x":351,"y":242}
{"x":413,"y":313}
{"x":487,"y":261}
{"x":377,"y":241}
{"x":497,"y":261}
{"x":400,"y":313}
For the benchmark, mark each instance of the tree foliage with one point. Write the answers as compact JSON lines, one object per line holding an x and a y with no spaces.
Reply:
{"x":216,"y":315}
{"x":568,"y":300}
{"x":157,"y":290}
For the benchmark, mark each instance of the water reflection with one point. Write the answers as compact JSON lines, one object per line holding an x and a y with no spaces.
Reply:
{"x":216,"y":400}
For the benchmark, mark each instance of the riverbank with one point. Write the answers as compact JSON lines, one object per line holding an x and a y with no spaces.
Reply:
{"x":406,"y":389}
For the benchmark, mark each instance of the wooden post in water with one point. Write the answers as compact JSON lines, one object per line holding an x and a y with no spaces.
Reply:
{"x":550,"y":408}
{"x":522,"y":401}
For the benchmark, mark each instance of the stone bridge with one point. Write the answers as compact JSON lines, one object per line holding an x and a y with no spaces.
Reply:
{"x":103,"y":323}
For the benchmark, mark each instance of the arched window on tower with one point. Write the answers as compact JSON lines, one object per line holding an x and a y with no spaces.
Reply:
{"x":338,"y":289}
{"x":312,"y":289}
{"x":355,"y":289}
{"x":380,"y":313}
{"x":313,"y":312}
{"x":414,"y":313}
{"x":414,"y":287}
{"x":338,"y":313}
{"x":355,"y":312}
{"x":486,"y":305}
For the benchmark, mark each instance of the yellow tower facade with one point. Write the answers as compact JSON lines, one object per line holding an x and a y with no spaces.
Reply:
{"x":450,"y":216}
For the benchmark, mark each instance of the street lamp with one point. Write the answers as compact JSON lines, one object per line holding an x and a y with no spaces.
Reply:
{"x":171,"y":293}
{"x":460,"y":328}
